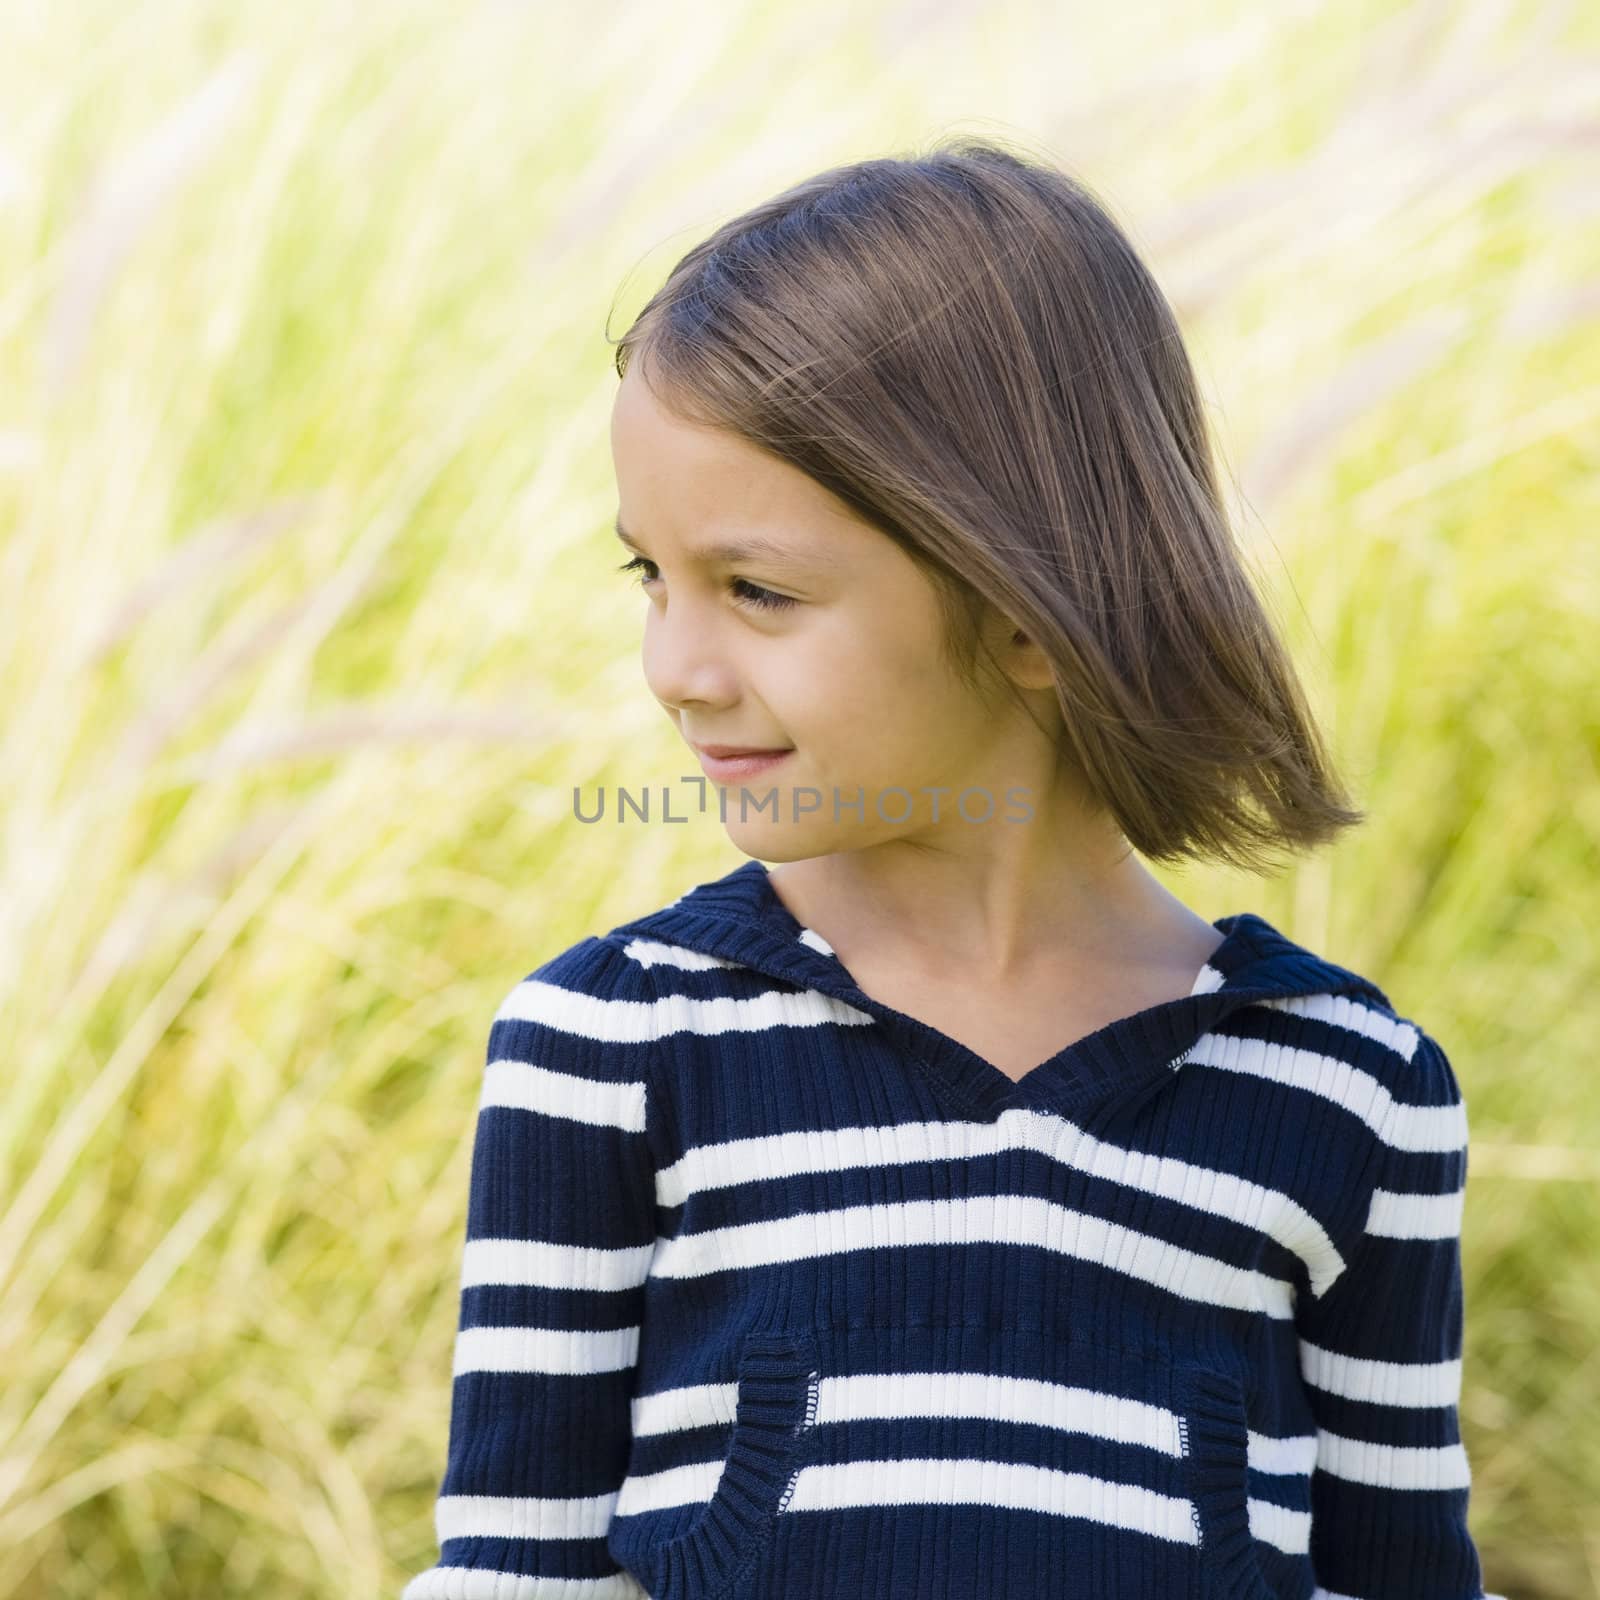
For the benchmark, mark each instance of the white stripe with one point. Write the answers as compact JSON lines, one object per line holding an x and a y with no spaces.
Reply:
{"x":585,"y":1015}
{"x":804,"y":1008}
{"x":809,"y":1150}
{"x":531,"y":1262}
{"x":501,"y":1516}
{"x":639,"y":1021}
{"x":692,"y":1484}
{"x":993,"y":1396}
{"x":1356,"y":1016}
{"x":948,"y":1480}
{"x":656,"y":953}
{"x":934,"y":1394}
{"x":1416,"y":1216}
{"x":692,"y":1405}
{"x":1403,"y":1126}
{"x":484,"y":1583}
{"x":1394,"y":1466}
{"x":524,"y":1087}
{"x":805,"y":936}
{"x":1282,"y":1526}
{"x":977,"y":1219}
{"x":548,"y":1350}
{"x":1003,"y":1399}
{"x":1319,"y":1593}
{"x":1414,"y":1384}
{"x":1294,"y":1454}
{"x":1008,"y":1484}
{"x":1207,"y":980}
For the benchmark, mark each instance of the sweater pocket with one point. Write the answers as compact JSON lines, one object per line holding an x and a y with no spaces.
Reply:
{"x":1217,"y":1450}
{"x":946,"y":1461}
{"x":776,"y":1400}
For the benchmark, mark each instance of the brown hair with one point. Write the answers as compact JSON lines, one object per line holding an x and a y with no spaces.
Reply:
{"x":965,"y":349}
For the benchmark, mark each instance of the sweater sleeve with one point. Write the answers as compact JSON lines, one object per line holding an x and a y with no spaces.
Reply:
{"x":559,"y":1235}
{"x":1380,"y":1354}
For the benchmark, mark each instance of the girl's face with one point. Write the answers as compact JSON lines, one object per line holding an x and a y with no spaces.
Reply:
{"x":823,"y":638}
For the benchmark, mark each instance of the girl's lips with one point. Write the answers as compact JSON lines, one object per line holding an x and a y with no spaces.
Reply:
{"x":736,"y":769}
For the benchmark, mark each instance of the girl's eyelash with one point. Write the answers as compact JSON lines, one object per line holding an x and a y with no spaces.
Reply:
{"x":752,"y":593}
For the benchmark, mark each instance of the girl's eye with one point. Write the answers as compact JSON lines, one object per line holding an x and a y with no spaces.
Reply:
{"x":752,"y":594}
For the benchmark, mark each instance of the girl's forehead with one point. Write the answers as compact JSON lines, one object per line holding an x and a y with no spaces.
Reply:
{"x":715,"y":497}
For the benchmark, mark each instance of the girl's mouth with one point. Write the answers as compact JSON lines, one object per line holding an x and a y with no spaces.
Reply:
{"x":740,"y":768}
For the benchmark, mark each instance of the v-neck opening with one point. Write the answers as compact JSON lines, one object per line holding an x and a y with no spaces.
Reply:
{"x":739,"y":919}
{"x":1123,"y":1057}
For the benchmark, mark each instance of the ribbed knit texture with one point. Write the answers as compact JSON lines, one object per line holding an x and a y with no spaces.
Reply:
{"x":773,"y":1292}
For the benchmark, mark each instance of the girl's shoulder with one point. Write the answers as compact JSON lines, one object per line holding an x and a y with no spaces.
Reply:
{"x":587,"y":960}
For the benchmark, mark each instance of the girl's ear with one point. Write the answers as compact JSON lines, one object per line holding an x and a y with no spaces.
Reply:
{"x":1025,"y":663}
{"x":1011,"y":661}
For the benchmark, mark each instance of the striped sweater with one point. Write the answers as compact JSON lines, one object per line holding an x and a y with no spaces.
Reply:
{"x":770,"y":1290}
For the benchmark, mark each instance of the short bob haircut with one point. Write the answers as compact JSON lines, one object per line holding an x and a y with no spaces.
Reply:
{"x":966,"y":350}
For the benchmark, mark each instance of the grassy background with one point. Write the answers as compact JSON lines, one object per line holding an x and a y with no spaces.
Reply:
{"x":312,"y":627}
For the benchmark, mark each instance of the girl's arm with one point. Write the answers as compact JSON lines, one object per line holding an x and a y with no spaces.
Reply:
{"x":1380,"y":1353}
{"x":560,"y":1230}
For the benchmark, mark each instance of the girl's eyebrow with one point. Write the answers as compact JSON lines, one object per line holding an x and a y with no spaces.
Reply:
{"x":728,"y":551}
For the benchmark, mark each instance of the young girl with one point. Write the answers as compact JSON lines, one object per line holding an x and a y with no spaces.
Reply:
{"x":949,"y":1211}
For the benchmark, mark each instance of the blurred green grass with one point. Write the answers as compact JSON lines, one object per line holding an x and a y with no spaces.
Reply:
{"x":312,"y":629}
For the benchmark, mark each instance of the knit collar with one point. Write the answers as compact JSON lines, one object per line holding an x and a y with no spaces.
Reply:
{"x":739,"y":918}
